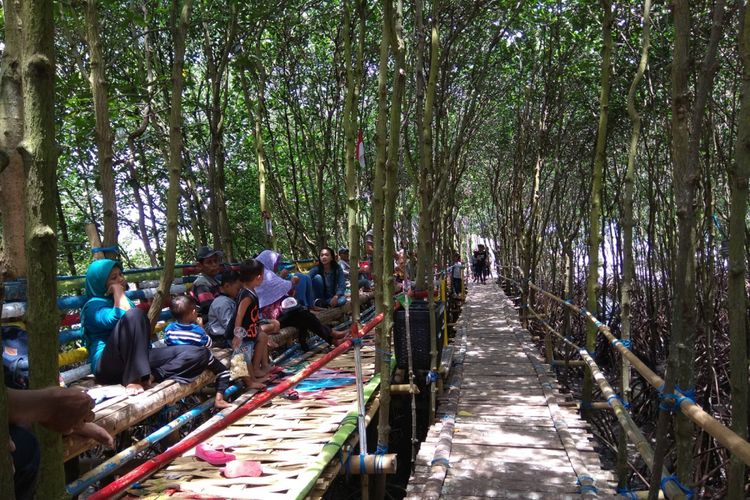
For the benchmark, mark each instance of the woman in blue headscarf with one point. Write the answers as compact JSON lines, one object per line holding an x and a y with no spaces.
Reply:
{"x":117,"y":336}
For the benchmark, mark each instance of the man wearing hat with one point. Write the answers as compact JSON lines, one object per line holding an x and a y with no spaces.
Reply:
{"x":206,"y":287}
{"x":344,"y":261}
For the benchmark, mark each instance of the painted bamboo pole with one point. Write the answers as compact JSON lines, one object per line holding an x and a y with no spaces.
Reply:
{"x":332,"y":448}
{"x":155,"y":463}
{"x":117,"y":461}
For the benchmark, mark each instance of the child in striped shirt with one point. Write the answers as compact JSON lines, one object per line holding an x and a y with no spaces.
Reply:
{"x":187,"y":329}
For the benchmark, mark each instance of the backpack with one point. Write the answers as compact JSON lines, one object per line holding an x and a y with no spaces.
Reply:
{"x":15,"y":357}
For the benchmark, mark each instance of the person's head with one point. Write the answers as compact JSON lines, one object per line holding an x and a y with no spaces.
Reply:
{"x":344,"y":254}
{"x":184,"y":309}
{"x":209,"y":260}
{"x":481,"y":247}
{"x":101,"y":275}
{"x":456,"y":256}
{"x":326,"y":257}
{"x":251,"y":273}
{"x":230,"y":283}
{"x":369,"y":242}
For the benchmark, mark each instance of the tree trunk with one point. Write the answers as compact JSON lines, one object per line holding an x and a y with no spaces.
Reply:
{"x":12,"y":175}
{"x":267,"y":220}
{"x":739,"y":173}
{"x":39,"y":153}
{"x":592,"y":283}
{"x":180,"y":21}
{"x":628,"y":264}
{"x":104,"y":139}
{"x":64,"y":233}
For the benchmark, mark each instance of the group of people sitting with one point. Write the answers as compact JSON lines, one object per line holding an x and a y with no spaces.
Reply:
{"x":238,"y":308}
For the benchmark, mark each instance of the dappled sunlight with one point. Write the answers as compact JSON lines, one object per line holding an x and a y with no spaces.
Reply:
{"x":505,"y":438}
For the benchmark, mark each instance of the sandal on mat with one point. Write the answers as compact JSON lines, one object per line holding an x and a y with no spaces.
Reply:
{"x":242,"y":468}
{"x":212,"y":455}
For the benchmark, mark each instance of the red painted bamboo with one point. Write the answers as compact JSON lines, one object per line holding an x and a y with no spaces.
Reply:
{"x":146,"y":469}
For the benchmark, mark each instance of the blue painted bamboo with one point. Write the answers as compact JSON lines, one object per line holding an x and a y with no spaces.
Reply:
{"x":117,"y":461}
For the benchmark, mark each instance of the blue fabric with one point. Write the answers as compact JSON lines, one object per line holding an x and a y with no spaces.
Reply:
{"x":303,"y":292}
{"x":99,"y":315}
{"x":186,"y":334}
{"x":335,"y":283}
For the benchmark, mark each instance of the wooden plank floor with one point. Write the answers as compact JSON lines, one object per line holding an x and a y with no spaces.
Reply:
{"x":504,"y":430}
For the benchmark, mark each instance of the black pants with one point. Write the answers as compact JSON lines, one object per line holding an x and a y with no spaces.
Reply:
{"x":129,"y":359}
{"x":306,"y":323}
{"x":26,"y":461}
{"x":221,"y":372}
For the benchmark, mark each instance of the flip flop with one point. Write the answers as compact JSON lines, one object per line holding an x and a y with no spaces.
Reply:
{"x":291,"y":394}
{"x":275,"y":370}
{"x":213,"y":456}
{"x":242,"y":468}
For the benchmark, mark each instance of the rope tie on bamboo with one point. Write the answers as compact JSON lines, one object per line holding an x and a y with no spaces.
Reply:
{"x":617,"y":397}
{"x":626,"y":343}
{"x":441,"y":461}
{"x":586,"y":488}
{"x":673,"y":479}
{"x":386,"y":354}
{"x":670,"y":402}
{"x":627,"y":493}
{"x":112,"y":249}
{"x":381,"y":449}
{"x":568,"y":302}
{"x":357,"y":341}
{"x":432,"y":376}
{"x":362,"y":462}
{"x":582,"y":311}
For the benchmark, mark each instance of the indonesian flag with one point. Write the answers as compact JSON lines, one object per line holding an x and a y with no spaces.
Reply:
{"x":360,"y":151}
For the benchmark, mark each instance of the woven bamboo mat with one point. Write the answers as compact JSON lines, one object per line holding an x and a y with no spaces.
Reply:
{"x":285,"y":436}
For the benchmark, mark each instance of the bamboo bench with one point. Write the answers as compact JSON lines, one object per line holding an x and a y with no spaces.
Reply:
{"x":122,"y":412}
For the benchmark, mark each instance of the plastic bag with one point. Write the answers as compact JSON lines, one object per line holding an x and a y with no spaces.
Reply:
{"x":237,"y":366}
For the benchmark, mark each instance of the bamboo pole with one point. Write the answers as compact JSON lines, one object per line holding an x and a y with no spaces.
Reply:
{"x":728,"y":438}
{"x":307,"y":479}
{"x":123,"y":457}
{"x":155,"y":463}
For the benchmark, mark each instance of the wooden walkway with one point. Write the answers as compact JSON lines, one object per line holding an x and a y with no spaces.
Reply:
{"x":504,"y":430}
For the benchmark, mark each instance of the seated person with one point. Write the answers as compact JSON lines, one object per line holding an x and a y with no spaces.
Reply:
{"x":187,"y":330}
{"x":117,"y":336}
{"x":344,"y":261}
{"x":301,"y":285}
{"x":206,"y":287}
{"x":328,"y":280}
{"x":251,"y":339}
{"x":63,"y":410}
{"x":306,"y":323}
{"x":223,"y":308}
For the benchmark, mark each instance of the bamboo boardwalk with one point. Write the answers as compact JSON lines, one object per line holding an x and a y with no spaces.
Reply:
{"x":504,"y":430}
{"x":293,"y":440}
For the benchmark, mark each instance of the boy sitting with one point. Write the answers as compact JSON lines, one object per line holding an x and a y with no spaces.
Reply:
{"x":247,"y":333}
{"x":187,"y":330}
{"x":224,"y":307}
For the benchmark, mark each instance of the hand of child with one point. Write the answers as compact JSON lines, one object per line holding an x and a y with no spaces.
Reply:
{"x":285,"y":272}
{"x":236,"y":342}
{"x":295,"y":280}
{"x":199,"y":321}
{"x":97,"y":433}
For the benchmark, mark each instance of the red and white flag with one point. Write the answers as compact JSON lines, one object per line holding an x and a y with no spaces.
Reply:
{"x":360,"y":151}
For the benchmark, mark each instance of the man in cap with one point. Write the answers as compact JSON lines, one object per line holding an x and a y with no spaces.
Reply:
{"x":206,"y":287}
